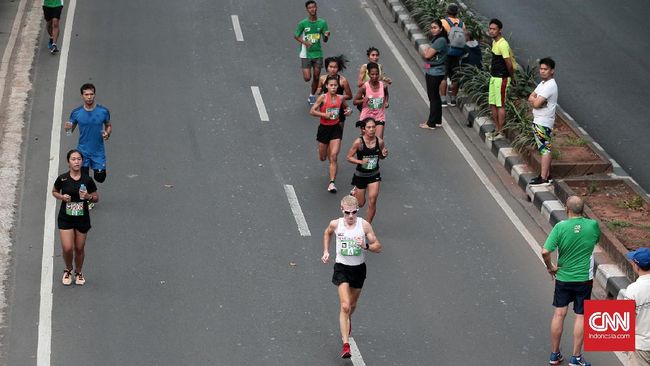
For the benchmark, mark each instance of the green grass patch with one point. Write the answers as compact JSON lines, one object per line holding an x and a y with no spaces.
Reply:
{"x":618,"y":224}
{"x":575,"y":141}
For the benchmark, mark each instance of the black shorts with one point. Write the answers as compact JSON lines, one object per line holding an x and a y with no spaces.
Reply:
{"x":326,"y":134}
{"x":83,"y":227}
{"x":576,"y":292}
{"x":52,"y":13}
{"x":353,"y":275}
{"x":452,"y":65}
{"x":362,"y":182}
{"x":308,"y":63}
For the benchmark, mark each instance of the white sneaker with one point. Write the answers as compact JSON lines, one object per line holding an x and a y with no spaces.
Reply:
{"x":331,"y":188}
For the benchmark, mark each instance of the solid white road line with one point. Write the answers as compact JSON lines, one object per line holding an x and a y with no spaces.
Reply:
{"x":237,"y":28}
{"x":297,"y":212}
{"x":259,"y":103}
{"x":357,"y":359}
{"x":459,"y":145}
{"x":45,"y":313}
{"x":9,"y":48}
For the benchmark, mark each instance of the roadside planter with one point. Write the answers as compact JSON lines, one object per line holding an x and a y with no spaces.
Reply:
{"x":621,"y":209}
{"x":574,"y":154}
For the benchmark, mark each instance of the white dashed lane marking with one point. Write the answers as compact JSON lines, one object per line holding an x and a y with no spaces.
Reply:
{"x":297,"y":211}
{"x":237,"y":28}
{"x":260,"y":103}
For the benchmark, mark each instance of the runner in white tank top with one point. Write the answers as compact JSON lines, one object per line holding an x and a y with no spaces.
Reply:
{"x":353,"y":237}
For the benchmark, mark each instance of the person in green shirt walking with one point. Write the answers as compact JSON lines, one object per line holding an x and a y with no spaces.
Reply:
{"x":309,"y":33}
{"x":575,"y":239}
{"x":52,"y":13}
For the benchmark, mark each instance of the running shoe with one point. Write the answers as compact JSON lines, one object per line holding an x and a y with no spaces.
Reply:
{"x":345,"y":353}
{"x":499,"y":136}
{"x":331,"y":188}
{"x":79,"y":279}
{"x":67,"y":277}
{"x":452,"y":101}
{"x":54,"y":49}
{"x":491,"y":136}
{"x":50,"y":43}
{"x":353,"y":191}
{"x":556,"y":358}
{"x":444,"y":102}
{"x":538,"y":181}
{"x":578,"y":361}
{"x":438,"y":125}
{"x":311,"y":100}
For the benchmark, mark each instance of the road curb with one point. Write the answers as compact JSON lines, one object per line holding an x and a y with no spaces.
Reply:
{"x":608,"y":275}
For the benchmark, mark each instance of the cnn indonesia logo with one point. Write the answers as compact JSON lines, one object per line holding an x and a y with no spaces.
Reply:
{"x":609,"y":325}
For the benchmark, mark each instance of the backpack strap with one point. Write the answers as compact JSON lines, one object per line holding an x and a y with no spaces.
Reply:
{"x":451,"y":24}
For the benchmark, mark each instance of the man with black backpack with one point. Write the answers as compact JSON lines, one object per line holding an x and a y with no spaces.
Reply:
{"x":456,"y":34}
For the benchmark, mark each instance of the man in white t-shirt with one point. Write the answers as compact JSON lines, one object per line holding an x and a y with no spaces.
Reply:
{"x":544,"y":100}
{"x":639,"y":291}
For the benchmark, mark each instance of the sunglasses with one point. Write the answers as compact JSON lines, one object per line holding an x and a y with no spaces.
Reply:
{"x":354,"y":212}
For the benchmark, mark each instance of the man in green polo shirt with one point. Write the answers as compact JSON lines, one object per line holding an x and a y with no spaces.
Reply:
{"x":575,"y":239}
{"x":309,"y":33}
{"x":52,"y":13}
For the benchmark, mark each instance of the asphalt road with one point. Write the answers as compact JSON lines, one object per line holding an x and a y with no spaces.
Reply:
{"x":601,"y":68}
{"x":189,"y":259}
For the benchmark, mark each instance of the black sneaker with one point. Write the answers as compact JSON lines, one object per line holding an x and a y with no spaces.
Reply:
{"x":444,"y":102}
{"x":452,"y":101}
{"x":538,"y":180}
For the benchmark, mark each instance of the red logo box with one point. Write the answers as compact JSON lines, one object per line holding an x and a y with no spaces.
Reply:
{"x":609,"y":325}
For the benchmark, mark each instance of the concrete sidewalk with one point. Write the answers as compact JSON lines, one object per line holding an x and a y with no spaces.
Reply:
{"x":607,"y":274}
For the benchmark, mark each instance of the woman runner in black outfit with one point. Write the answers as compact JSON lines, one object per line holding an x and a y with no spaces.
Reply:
{"x":366,"y":152}
{"x":75,"y":190}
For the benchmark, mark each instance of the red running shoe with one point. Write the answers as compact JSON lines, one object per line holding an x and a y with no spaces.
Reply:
{"x":346,"y":351}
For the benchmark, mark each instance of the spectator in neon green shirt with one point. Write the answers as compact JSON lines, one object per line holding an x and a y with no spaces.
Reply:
{"x":575,"y":239}
{"x":309,"y":33}
{"x":52,"y":13}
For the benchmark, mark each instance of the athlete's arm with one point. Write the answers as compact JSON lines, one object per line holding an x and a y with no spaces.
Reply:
{"x":362,"y":74}
{"x":358,"y":99}
{"x":346,"y":88}
{"x":384,"y":150}
{"x":314,"y":109}
{"x":108,"y":128}
{"x":56,"y":192}
{"x":321,"y":82}
{"x":386,"y":96}
{"x":346,"y":110}
{"x":352,"y":153}
{"x":373,"y":244}
{"x":329,"y":230}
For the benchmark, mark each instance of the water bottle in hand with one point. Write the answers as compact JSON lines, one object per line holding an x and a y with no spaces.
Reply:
{"x":68,"y":131}
{"x":82,"y":190}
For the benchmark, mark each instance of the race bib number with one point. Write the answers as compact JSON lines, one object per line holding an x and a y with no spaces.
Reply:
{"x":372,"y":162}
{"x":333,"y":113}
{"x":349,"y":247}
{"x":74,"y":208}
{"x":375,"y":103}
{"x":312,"y":37}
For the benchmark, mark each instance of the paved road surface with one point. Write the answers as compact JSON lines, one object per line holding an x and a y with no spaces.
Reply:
{"x":602,"y":66}
{"x":200,"y":273}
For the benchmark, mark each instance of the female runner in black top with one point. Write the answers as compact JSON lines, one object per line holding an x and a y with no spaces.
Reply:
{"x":366,"y":152}
{"x":73,"y":220}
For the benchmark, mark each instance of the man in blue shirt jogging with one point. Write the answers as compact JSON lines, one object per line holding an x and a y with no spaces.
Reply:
{"x":94,"y":121}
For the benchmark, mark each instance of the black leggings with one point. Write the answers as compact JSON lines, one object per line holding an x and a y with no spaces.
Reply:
{"x":435,"y":104}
